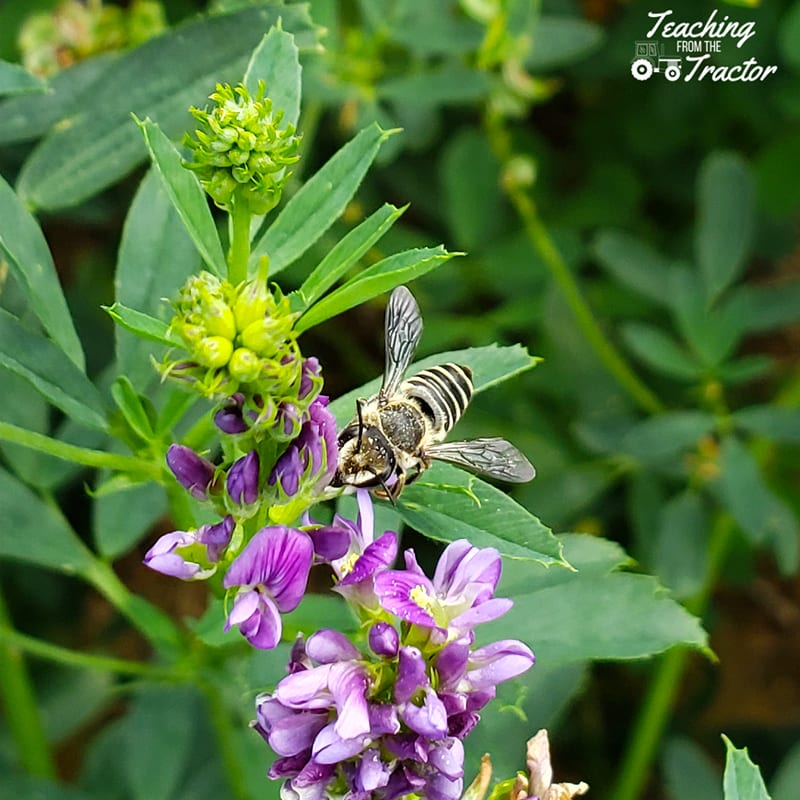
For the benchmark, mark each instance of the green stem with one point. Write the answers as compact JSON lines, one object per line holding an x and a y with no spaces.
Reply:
{"x":226,"y":740}
{"x":19,"y":706}
{"x":73,"y":658}
{"x":239,"y":252}
{"x":78,"y":455}
{"x":659,"y":702}
{"x":543,"y":244}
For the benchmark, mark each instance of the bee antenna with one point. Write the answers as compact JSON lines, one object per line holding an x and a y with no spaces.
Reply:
{"x":389,"y":496}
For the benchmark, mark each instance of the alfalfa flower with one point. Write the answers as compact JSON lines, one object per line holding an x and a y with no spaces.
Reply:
{"x":241,"y":151}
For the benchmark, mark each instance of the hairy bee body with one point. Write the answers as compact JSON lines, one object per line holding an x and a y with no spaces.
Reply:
{"x":399,"y":431}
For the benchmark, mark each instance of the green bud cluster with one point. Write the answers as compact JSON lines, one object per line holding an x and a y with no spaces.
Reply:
{"x":237,"y":338}
{"x":240,"y":153}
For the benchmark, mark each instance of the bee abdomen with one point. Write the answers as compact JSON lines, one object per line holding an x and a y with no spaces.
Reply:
{"x":442,"y":393}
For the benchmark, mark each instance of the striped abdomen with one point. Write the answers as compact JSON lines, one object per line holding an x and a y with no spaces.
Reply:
{"x":442,"y":393}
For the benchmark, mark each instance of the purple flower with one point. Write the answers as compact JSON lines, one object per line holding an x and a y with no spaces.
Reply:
{"x":192,"y":471}
{"x":271,"y":573}
{"x":383,"y":640}
{"x":172,"y":554}
{"x":242,"y":481}
{"x":310,"y":379}
{"x":164,"y":557}
{"x":230,"y":419}
{"x":459,"y":597}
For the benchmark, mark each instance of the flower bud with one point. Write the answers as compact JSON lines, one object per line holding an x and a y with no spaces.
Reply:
{"x":192,"y":471}
{"x":214,"y":351}
{"x":219,"y":320}
{"x":242,"y":482}
{"x":264,"y":336}
{"x":244,"y":365}
{"x":384,"y":640}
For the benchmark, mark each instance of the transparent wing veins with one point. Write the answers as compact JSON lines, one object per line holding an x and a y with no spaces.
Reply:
{"x":492,"y":457}
{"x":403,"y":332}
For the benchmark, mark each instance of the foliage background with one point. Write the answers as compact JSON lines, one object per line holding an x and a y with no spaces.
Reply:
{"x":675,"y":210}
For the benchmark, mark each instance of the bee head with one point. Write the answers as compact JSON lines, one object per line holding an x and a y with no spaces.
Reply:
{"x":365,"y":457}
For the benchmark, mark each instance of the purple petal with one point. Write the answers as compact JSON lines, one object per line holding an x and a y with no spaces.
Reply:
{"x":376,"y":556}
{"x":464,"y":570}
{"x":383,"y":640}
{"x":258,"y":619}
{"x":448,"y":759}
{"x":216,"y":538}
{"x":498,"y":662}
{"x":348,"y":684}
{"x":192,"y":472}
{"x":408,"y":747}
{"x":306,"y":690}
{"x":296,"y":734}
{"x":278,"y":559}
{"x":383,"y":719}
{"x":430,"y":719}
{"x":394,"y":589}
{"x":162,"y":557}
{"x":328,"y":646}
{"x":242,"y":481}
{"x":411,"y":675}
{"x":330,"y":543}
{"x":230,"y":420}
{"x":485,"y":612}
{"x":330,"y":748}
{"x":451,"y":663}
{"x":288,"y":471}
{"x":373,"y":773}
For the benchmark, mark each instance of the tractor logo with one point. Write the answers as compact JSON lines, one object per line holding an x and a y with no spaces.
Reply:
{"x":648,"y":59}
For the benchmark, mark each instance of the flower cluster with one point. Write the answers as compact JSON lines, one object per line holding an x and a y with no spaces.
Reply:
{"x":389,"y":720}
{"x":240,"y":152}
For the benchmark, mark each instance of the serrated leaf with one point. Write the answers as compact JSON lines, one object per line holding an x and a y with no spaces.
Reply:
{"x":659,"y":351}
{"x":15,"y":79}
{"x":48,"y":369}
{"x":377,"y":279}
{"x":490,"y":365}
{"x":155,"y":258}
{"x":742,"y":779}
{"x":159,"y":79}
{"x":487,"y":517}
{"x":558,"y":611}
{"x":30,"y":262}
{"x":187,"y":196}
{"x":319,"y":202}
{"x":346,"y":252}
{"x":36,"y":533}
{"x":276,"y":61}
{"x":725,"y":219}
{"x":634,"y":263}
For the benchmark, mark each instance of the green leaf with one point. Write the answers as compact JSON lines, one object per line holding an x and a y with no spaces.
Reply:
{"x":559,"y":41}
{"x":633,"y":263}
{"x":557,"y":610}
{"x":742,"y":779}
{"x":159,"y":733}
{"x":155,"y":258}
{"x":770,"y":307}
{"x":490,"y":365}
{"x":762,"y":515}
{"x":40,"y":362}
{"x":448,"y":504}
{"x":742,"y":370}
{"x":130,"y":404}
{"x":681,"y":548}
{"x":29,"y":116}
{"x":774,"y":422}
{"x":187,"y":196}
{"x":37,"y":533}
{"x":276,"y":61}
{"x":346,"y":252}
{"x":725,"y":220}
{"x":377,"y":279}
{"x":319,"y":202}
{"x":659,"y":351}
{"x":666,"y":436}
{"x":15,"y":79}
{"x":159,"y":79}
{"x":30,"y":262}
{"x":788,"y":34}
{"x":451,"y":84}
{"x":142,"y":325}
{"x":26,"y":786}
{"x":689,"y":774}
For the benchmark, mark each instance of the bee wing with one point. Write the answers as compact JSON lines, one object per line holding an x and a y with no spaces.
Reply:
{"x":493,"y":457}
{"x":403,"y":331}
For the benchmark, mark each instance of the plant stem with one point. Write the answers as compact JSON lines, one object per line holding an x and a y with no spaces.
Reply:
{"x":226,"y":740}
{"x":73,"y":658}
{"x":19,"y":706}
{"x":541,"y":241}
{"x":658,"y":703}
{"x":239,"y":252}
{"x":78,"y":455}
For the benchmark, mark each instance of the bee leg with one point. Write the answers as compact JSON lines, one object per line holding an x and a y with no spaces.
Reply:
{"x":394,"y":491}
{"x":359,"y":403}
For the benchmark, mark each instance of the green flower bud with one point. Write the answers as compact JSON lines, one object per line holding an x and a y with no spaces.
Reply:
{"x":265,"y":336}
{"x":244,"y":365}
{"x":214,"y":351}
{"x":220,"y":321}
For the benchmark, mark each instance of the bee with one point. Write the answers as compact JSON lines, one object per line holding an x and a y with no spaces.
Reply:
{"x":398,"y":433}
